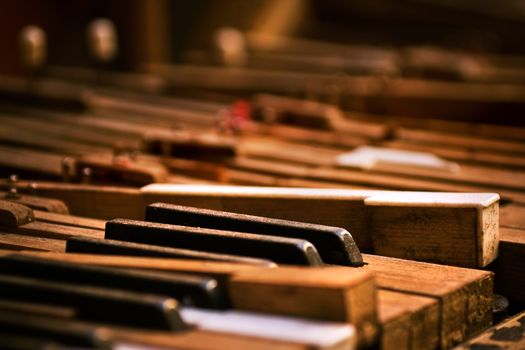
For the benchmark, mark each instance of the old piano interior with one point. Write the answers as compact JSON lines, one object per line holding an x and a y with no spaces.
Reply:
{"x":264,"y":174}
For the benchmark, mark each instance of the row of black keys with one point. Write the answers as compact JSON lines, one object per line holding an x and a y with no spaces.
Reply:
{"x":146,"y":299}
{"x":218,"y":232}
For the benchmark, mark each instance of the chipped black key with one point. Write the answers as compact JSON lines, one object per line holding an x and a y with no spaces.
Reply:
{"x":89,"y":245}
{"x":35,"y":332}
{"x":334,"y":244}
{"x":189,"y":289}
{"x":278,"y":249}
{"x":97,"y":304}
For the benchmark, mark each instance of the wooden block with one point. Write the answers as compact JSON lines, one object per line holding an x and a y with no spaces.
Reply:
{"x":407,"y":321}
{"x":394,"y":321}
{"x":447,"y":228}
{"x":508,"y":335}
{"x":13,"y":214}
{"x":510,"y":265}
{"x":464,"y":295}
{"x":332,"y":294}
{"x":424,"y":321}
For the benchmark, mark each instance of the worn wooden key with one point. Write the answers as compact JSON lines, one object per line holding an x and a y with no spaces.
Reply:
{"x":465,"y":296}
{"x":335,"y":245}
{"x":190,"y":289}
{"x":96,"y":303}
{"x":114,"y":247}
{"x":278,"y":249}
{"x":407,"y":321}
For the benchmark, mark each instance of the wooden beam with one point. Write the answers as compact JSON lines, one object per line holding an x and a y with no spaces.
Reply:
{"x":334,"y":294}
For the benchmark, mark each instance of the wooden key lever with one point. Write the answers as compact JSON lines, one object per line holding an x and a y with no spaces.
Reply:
{"x":34,"y":202}
{"x":335,"y":245}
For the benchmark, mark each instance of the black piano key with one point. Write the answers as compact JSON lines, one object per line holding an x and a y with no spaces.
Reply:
{"x":279,"y":249}
{"x":22,"y":331}
{"x":89,"y":245}
{"x":28,"y":307}
{"x":189,"y":289}
{"x":334,"y":244}
{"x":97,"y":304}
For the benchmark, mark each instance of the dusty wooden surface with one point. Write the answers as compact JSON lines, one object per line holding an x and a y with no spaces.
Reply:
{"x":507,"y":335}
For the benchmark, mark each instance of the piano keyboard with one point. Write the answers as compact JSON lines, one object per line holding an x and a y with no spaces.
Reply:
{"x":423,"y":303}
{"x":297,"y":195}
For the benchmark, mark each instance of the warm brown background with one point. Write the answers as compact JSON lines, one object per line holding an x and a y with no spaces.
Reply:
{"x":162,"y":29}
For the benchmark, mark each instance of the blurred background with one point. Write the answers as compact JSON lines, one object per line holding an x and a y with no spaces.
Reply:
{"x":163,"y":30}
